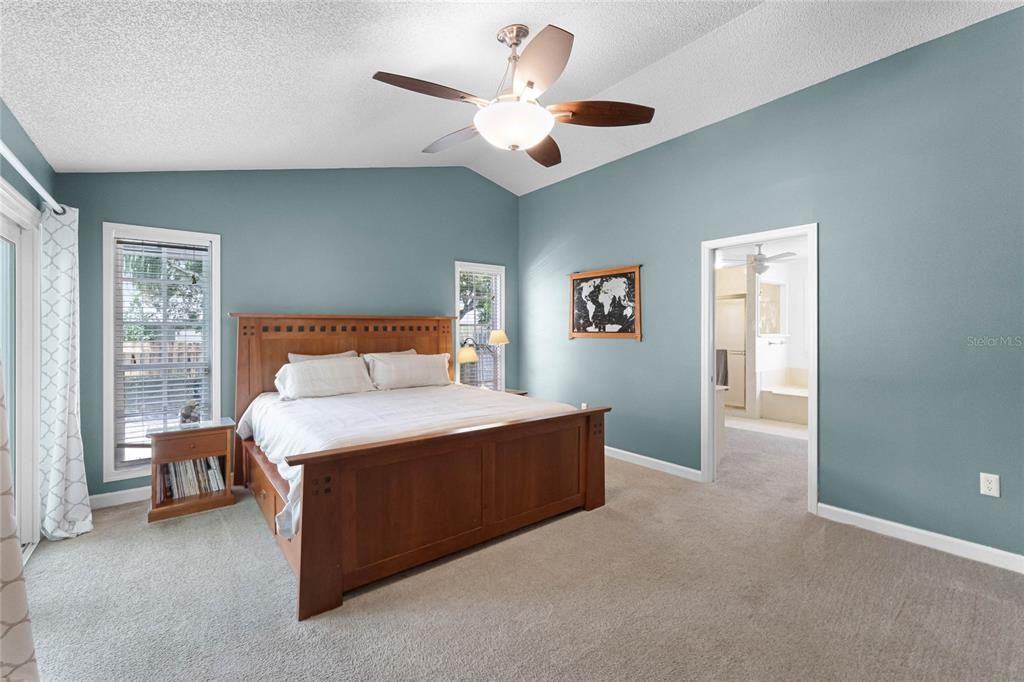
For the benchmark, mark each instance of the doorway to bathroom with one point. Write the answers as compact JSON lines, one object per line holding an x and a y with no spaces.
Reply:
{"x":759,"y":361}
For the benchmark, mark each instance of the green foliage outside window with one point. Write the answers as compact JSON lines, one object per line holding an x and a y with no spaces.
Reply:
{"x":158,"y":290}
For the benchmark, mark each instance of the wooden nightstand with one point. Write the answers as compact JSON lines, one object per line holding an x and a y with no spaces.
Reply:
{"x":516,"y":391}
{"x":191,"y":468}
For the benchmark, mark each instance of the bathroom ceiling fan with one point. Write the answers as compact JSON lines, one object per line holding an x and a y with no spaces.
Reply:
{"x":760,"y":260}
{"x":514,"y":120}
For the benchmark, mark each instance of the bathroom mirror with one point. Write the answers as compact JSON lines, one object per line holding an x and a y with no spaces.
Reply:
{"x":771,"y":309}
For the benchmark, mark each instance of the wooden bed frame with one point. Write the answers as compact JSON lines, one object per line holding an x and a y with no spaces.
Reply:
{"x":373,"y":510}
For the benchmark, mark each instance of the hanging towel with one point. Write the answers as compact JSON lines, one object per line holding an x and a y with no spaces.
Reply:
{"x":721,"y":367}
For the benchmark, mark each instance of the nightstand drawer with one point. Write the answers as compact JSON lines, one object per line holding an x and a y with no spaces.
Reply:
{"x":191,"y":446}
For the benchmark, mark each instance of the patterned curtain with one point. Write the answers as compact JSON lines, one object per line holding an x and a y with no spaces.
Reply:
{"x":17,"y":652}
{"x":65,"y":494}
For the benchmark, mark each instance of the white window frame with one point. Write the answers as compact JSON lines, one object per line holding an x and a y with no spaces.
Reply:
{"x":111,"y":233}
{"x":26,"y":216}
{"x":487,"y":268}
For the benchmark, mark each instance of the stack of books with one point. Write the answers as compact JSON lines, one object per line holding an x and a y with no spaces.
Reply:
{"x":190,"y":477}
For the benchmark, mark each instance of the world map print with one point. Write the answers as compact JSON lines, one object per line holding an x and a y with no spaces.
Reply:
{"x":605,"y":304}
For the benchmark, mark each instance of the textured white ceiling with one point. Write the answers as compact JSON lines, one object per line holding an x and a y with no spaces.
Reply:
{"x":183,"y":85}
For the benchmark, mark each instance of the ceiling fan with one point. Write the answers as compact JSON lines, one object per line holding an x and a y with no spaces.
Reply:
{"x":513,"y":119}
{"x":760,"y":260}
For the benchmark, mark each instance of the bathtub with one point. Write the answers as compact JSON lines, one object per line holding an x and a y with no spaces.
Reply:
{"x":782,"y":395}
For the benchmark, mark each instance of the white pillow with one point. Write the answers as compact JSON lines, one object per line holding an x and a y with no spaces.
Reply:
{"x":370,"y":356}
{"x":408,"y":371}
{"x":318,"y":378}
{"x":298,"y":357}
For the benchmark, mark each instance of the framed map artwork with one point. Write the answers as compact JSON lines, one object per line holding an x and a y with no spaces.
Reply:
{"x":605,"y":304}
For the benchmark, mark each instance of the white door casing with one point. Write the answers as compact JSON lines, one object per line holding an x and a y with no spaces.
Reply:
{"x":708,"y":463}
{"x":19,"y":223}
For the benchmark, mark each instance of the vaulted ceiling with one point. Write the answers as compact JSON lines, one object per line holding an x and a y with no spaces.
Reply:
{"x":183,"y":85}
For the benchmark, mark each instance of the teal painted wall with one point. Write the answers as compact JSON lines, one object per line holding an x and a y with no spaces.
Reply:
{"x":15,"y":137}
{"x":914,"y":169}
{"x":312,"y":241}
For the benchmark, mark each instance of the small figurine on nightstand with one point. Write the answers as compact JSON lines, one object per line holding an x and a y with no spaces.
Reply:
{"x":189,"y":412}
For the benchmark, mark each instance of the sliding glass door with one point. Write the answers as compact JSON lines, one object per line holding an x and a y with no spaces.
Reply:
{"x":17,"y":297}
{"x":8,"y":342}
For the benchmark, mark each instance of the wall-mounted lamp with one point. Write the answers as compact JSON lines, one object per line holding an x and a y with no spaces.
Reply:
{"x":467,"y":352}
{"x":498,"y":337}
{"x":467,"y":348}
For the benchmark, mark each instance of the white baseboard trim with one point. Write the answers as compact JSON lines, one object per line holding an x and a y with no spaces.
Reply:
{"x":119,"y":497}
{"x":926,"y":538}
{"x":656,"y":464}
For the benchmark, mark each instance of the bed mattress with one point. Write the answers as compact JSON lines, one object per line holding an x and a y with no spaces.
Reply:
{"x":282,"y":428}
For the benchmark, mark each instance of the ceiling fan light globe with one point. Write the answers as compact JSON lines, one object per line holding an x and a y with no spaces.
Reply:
{"x":514,"y":125}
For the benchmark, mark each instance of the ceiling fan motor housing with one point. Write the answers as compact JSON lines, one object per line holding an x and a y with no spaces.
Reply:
{"x":513,"y":34}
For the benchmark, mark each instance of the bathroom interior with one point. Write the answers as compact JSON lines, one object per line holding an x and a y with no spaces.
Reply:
{"x":761,"y":336}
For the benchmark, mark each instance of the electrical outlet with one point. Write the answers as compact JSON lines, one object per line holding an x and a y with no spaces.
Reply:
{"x":990,"y":485}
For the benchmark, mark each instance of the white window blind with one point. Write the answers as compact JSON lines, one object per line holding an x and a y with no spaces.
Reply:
{"x":162,"y":339}
{"x":480,"y":308}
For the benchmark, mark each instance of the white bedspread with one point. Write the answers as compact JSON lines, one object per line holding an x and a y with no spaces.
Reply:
{"x":284,"y":428}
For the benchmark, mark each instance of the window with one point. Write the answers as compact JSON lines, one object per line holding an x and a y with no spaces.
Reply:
{"x":479,"y":309}
{"x":161,"y":337}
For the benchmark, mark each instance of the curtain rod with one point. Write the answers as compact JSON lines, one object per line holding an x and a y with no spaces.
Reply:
{"x":6,"y":152}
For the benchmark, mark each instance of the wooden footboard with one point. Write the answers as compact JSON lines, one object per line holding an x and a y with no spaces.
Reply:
{"x":372,"y":511}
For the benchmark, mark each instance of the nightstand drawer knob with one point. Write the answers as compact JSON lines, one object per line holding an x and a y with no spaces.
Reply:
{"x":192,"y":446}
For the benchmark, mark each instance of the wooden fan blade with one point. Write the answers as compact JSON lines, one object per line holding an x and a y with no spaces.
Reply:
{"x":427,"y":88}
{"x":602,"y":113}
{"x":542,"y":62}
{"x":546,"y":152}
{"x":451,"y":139}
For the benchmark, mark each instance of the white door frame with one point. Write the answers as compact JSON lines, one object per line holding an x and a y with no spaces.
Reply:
{"x":26,"y":217}
{"x":708,"y":464}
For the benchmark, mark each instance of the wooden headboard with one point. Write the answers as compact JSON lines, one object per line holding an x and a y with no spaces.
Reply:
{"x":264,"y":341}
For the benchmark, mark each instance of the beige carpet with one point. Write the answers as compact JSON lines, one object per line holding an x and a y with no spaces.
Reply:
{"x":671,"y":580}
